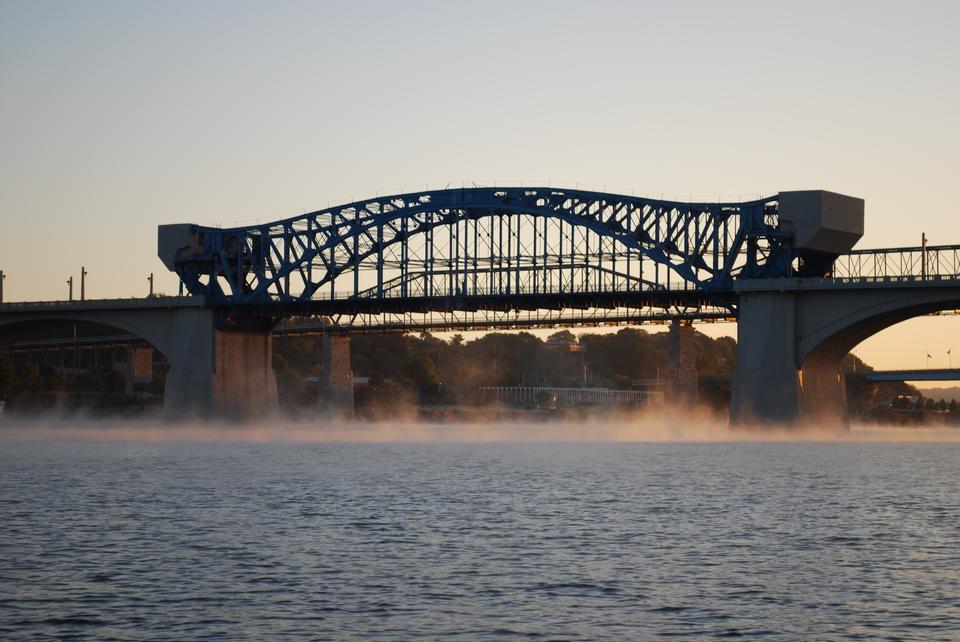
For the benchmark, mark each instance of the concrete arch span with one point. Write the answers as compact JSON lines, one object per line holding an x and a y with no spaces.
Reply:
{"x":151,"y":328}
{"x":211,"y":371}
{"x":76,"y":346}
{"x":792,"y":341}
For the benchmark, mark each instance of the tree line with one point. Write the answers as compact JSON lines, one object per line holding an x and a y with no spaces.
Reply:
{"x":424,"y":369}
{"x":428,"y":370}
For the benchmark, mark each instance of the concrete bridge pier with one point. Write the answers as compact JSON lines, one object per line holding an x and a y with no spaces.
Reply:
{"x":769,"y":385}
{"x":188,"y":389}
{"x":244,"y":385}
{"x":766,"y":383}
{"x":336,"y":377}
{"x":218,"y":373}
{"x":682,"y":380}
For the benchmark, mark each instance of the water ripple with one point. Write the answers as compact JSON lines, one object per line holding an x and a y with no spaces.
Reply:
{"x":479,"y":542}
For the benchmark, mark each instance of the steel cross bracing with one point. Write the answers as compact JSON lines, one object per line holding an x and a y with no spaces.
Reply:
{"x":491,"y":249}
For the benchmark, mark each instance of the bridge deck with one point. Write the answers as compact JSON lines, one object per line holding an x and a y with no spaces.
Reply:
{"x":501,"y":310}
{"x":151,"y":303}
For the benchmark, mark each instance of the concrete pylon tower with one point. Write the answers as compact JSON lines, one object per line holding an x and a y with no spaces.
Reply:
{"x":682,"y":377}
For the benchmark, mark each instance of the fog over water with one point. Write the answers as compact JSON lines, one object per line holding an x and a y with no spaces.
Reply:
{"x":602,"y":530}
{"x":650,"y":426}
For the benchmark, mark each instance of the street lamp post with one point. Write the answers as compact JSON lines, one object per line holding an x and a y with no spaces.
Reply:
{"x":83,"y":283}
{"x":923,"y":255}
{"x":2,"y":277}
{"x":70,"y":288}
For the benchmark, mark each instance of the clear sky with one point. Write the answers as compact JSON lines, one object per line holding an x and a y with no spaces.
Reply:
{"x":118,"y":116}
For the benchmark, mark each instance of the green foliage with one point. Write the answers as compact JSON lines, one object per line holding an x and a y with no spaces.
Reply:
{"x":422,"y":371}
{"x":432,"y":370}
{"x":630,"y":353}
{"x":438,"y":371}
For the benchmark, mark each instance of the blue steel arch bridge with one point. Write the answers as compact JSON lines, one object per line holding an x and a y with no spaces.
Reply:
{"x":784,"y":267}
{"x":487,"y":257}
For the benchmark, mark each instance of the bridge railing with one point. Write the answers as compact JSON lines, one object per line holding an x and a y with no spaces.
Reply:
{"x":110,"y":304}
{"x":936,"y":262}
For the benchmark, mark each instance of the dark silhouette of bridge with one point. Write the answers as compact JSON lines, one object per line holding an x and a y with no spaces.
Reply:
{"x":783,"y":267}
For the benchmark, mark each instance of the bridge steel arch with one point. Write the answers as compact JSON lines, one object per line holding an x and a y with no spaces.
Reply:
{"x":481,"y":245}
{"x":792,"y":336}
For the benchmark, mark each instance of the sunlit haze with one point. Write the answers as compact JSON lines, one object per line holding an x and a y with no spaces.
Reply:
{"x":118,"y":116}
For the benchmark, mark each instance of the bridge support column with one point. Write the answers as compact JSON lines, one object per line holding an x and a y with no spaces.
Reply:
{"x":682,"y":380}
{"x":220,"y":373}
{"x":768,"y":385}
{"x":188,"y":390}
{"x":336,"y":377}
{"x":244,"y":385}
{"x":766,"y":382}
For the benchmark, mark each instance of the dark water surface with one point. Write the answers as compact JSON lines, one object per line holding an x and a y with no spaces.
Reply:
{"x":181,"y":541}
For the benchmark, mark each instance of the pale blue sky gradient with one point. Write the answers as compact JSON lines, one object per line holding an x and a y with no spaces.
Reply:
{"x":118,"y":116}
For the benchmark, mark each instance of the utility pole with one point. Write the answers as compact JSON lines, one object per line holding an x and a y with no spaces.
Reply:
{"x":83,"y":283}
{"x":150,"y":278}
{"x":70,"y":284}
{"x":2,"y":277}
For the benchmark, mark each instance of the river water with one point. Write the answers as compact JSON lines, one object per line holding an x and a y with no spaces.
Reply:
{"x":206,"y":539}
